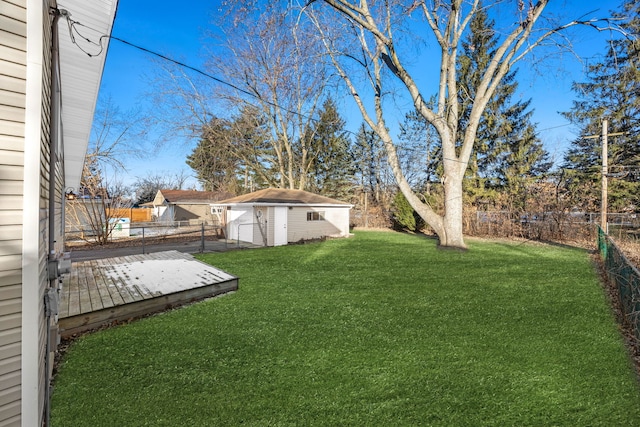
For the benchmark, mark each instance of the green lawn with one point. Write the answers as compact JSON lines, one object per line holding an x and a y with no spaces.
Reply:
{"x":382,"y":329}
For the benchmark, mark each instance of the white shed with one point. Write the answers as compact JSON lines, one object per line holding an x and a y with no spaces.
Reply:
{"x":275,"y":216}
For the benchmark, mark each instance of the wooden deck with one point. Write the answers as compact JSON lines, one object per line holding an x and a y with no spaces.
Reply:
{"x":106,"y":291}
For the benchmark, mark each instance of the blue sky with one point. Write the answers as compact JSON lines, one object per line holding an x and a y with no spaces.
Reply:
{"x":178,"y":30}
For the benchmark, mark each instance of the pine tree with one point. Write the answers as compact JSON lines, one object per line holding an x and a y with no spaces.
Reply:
{"x":419,"y":151}
{"x":508,"y":154}
{"x":611,"y":90}
{"x":233,"y":155}
{"x":371,"y":169}
{"x":210,"y":159}
{"x":331,"y":169}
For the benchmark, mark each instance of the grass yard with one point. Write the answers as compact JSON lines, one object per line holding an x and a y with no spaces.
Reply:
{"x":379,"y":330}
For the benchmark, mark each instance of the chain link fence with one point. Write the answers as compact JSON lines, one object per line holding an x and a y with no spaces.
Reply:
{"x":626,"y":278}
{"x":152,"y":237}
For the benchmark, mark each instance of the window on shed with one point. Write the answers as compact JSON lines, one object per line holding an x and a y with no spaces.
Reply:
{"x":315,"y":216}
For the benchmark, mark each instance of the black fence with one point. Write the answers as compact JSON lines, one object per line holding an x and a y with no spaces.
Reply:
{"x":625,"y":276}
{"x":153,"y":237}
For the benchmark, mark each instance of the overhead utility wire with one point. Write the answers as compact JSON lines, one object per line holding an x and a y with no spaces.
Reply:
{"x":72,"y":28}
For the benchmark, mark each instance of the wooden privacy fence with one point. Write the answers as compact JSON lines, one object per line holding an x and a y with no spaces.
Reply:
{"x":134,"y":214}
{"x":626,"y":277}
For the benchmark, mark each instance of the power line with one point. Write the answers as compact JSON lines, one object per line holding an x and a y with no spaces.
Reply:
{"x":73,"y":29}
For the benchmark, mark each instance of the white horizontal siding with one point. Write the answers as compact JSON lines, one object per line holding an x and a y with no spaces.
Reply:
{"x":9,"y":250}
{"x":12,"y":128}
{"x":9,"y":395}
{"x":10,"y":40}
{"x":9,"y":292}
{"x":9,"y":350}
{"x":10,"y":414}
{"x":12,"y":69}
{"x":13,"y":10}
{"x":10,"y":202}
{"x":11,"y":113}
{"x":10,"y":329}
{"x":10,"y":306}
{"x":11,"y":173}
{"x":8,"y":217}
{"x":10,"y":255}
{"x":9,"y":187}
{"x":12,"y":26}
{"x":10,"y":278}
{"x":13,"y":60}
{"x":11,"y":83}
{"x":335,"y":223}
{"x":11,"y":158}
{"x":10,"y":232}
{"x":10,"y":143}
{"x":11,"y":99}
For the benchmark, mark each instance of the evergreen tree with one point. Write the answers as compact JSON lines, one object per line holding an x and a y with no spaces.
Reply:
{"x":234,"y":155}
{"x":331,"y":169}
{"x":611,"y":90}
{"x":507,"y":152}
{"x":403,"y":216}
{"x":419,"y":151}
{"x":210,"y":159}
{"x":523,"y":164}
{"x":370,"y":162}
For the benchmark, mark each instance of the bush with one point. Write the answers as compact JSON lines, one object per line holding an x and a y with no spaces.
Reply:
{"x":403,"y":215}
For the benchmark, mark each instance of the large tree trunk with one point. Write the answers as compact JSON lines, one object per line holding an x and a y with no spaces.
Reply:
{"x":452,"y":220}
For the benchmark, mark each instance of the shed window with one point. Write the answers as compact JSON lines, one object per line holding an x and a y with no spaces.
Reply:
{"x":315,"y":216}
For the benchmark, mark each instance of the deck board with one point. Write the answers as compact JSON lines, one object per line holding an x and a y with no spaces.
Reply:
{"x":73,"y":291}
{"x":83,"y":291}
{"x":102,"y":292}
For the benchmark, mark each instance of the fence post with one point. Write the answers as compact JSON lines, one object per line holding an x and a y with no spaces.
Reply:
{"x":202,"y":237}
{"x":143,"y":240}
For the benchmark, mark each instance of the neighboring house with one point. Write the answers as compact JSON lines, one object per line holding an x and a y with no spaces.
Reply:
{"x":187,"y":205}
{"x":274,"y":217}
{"x":48,"y":92}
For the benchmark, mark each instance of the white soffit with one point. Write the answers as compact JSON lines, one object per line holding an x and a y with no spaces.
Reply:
{"x":80,"y":76}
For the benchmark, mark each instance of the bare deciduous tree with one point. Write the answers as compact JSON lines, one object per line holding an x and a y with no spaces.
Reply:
{"x":368,"y":42}
{"x":259,"y":64}
{"x":102,"y":197}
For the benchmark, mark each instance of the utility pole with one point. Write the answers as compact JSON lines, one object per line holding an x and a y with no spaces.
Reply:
{"x":605,"y":170}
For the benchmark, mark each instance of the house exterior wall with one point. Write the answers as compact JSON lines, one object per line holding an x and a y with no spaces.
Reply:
{"x":261,"y":229}
{"x":163,"y":213}
{"x":270,"y":222}
{"x":25,"y":94}
{"x":36,"y":206}
{"x":197,"y":212}
{"x":335,"y":223}
{"x":239,"y":224}
{"x":261,"y":220}
{"x":13,"y":63}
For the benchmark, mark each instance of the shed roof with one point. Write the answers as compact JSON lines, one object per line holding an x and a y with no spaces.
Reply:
{"x":192,"y":196}
{"x":283,"y":196}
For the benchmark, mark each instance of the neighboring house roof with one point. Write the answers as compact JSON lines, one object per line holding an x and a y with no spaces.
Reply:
{"x":80,"y":77}
{"x":272,"y":196}
{"x":192,"y":197}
